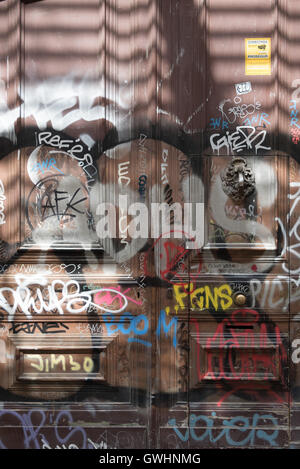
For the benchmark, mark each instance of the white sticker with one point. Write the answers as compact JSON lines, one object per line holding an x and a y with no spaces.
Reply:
{"x":243,"y":88}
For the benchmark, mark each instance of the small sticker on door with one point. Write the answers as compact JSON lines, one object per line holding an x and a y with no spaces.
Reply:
{"x":258,"y":56}
{"x":243,"y":88}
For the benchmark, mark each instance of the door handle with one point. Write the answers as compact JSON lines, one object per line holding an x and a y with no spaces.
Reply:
{"x":238,"y":180}
{"x":239,"y":299}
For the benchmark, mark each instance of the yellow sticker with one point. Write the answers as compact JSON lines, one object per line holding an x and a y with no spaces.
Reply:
{"x":258,"y":56}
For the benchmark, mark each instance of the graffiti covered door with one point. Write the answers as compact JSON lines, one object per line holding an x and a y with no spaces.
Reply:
{"x":76,"y":319}
{"x":149,"y":224}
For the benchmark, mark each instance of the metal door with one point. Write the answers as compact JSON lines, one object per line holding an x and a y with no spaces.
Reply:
{"x":149,"y":224}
